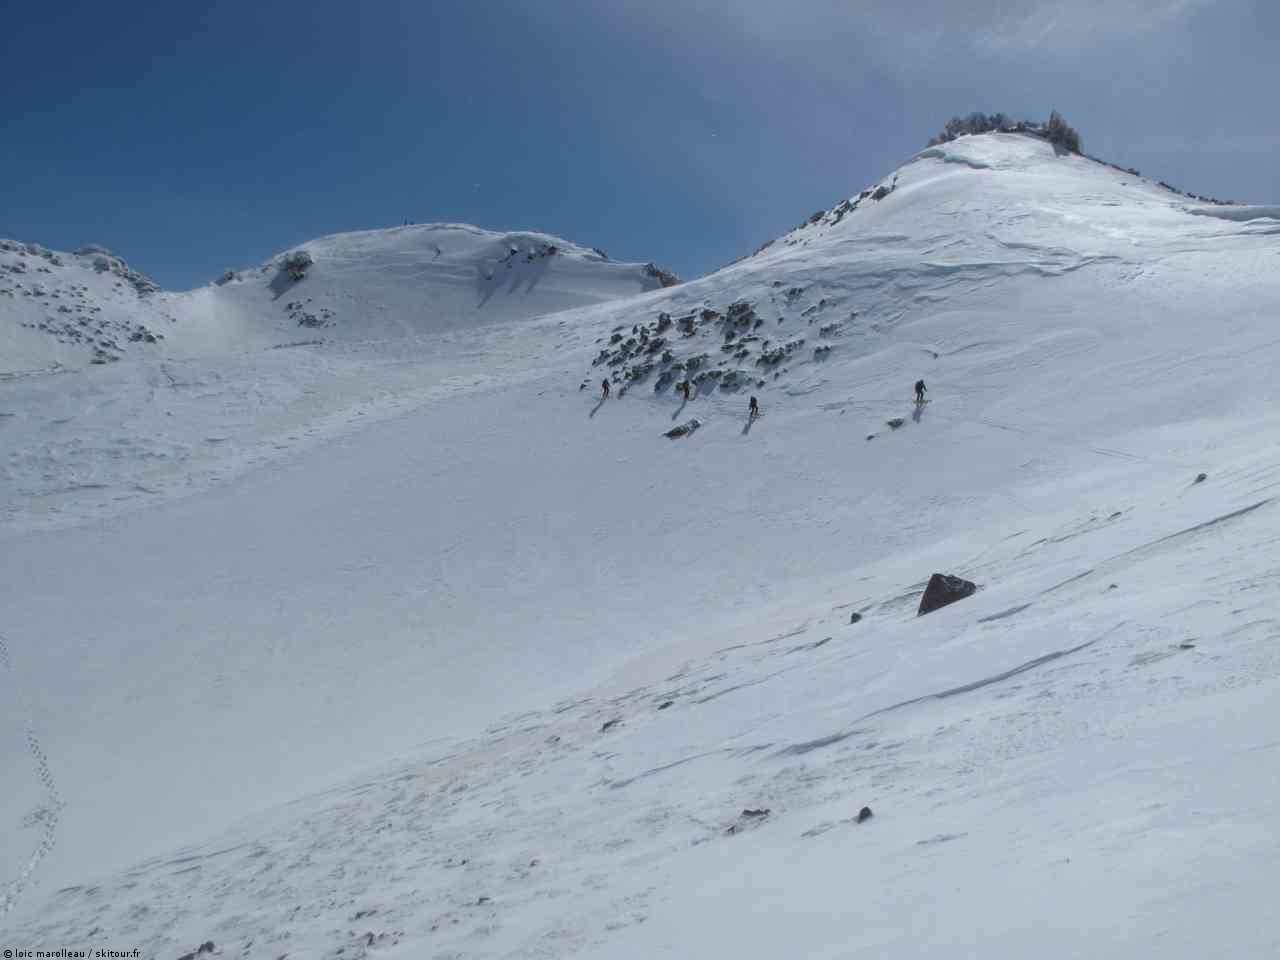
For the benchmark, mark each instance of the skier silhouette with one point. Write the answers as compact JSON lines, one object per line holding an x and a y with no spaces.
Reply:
{"x":683,"y":387}
{"x":920,"y":391}
{"x":753,"y":408}
{"x":604,"y":386}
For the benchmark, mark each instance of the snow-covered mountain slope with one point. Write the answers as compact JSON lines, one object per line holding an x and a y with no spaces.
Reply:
{"x":267,"y":360}
{"x":74,"y":309}
{"x":63,"y":309}
{"x":419,"y":280}
{"x":477,"y":664}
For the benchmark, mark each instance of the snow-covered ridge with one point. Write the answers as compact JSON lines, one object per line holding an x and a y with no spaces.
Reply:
{"x":966,"y":213}
{"x":1031,"y":163}
{"x":91,"y":307}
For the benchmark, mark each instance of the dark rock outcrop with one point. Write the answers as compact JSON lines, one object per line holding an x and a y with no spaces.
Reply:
{"x":942,"y":590}
{"x":296,"y":264}
{"x":664,"y":277}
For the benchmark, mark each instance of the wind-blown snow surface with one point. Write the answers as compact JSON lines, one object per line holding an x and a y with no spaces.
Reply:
{"x":443,"y":656}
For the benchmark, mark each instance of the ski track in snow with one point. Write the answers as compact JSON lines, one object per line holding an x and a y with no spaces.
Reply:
{"x":51,"y":811}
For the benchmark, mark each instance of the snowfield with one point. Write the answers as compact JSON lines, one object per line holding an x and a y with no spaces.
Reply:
{"x":381,"y":634}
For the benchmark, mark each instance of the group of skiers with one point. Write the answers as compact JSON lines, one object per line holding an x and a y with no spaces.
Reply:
{"x":753,"y":407}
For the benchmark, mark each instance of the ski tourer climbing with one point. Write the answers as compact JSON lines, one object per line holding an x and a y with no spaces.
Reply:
{"x":604,"y":389}
{"x":753,"y":408}
{"x":920,"y":388}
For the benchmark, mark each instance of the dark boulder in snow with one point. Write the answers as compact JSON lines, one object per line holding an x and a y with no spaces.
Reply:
{"x":855,"y":617}
{"x":864,"y":814}
{"x":942,"y":590}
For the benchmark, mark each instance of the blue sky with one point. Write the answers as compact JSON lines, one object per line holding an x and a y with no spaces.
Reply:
{"x":194,"y":137}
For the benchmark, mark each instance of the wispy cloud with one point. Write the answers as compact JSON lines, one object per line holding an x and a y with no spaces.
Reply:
{"x":1021,"y":24}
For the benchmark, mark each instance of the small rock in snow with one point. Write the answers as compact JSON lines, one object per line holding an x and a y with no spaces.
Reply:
{"x":864,"y":814}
